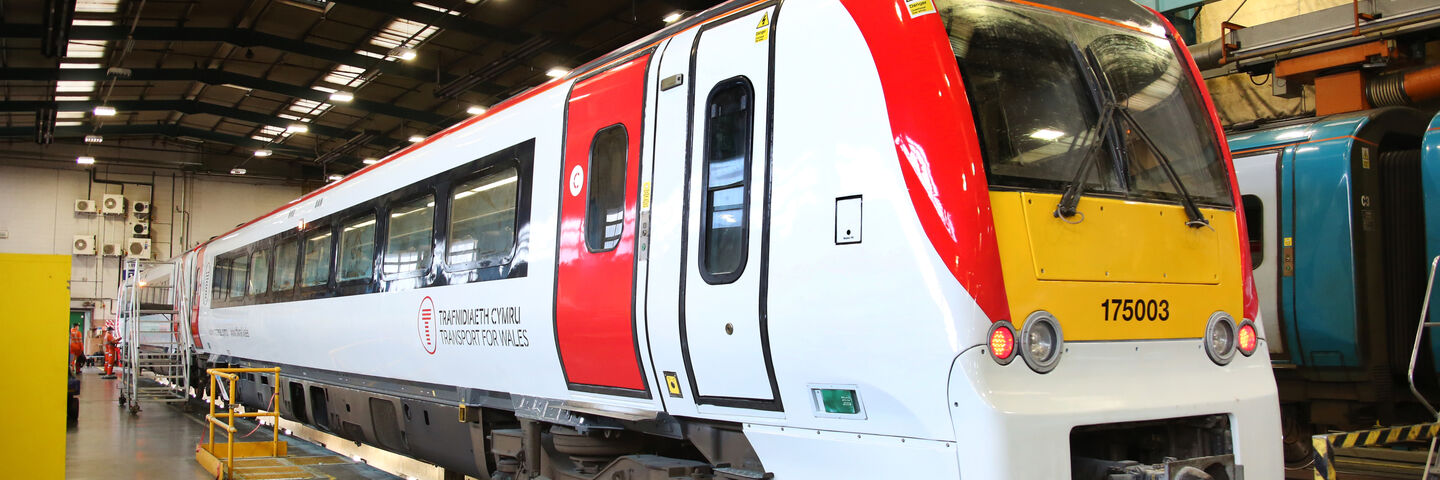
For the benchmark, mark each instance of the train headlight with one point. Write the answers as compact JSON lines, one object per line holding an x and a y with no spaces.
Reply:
{"x":1246,"y":338}
{"x":1041,"y":341}
{"x":1002,"y":342}
{"x":1220,"y":338}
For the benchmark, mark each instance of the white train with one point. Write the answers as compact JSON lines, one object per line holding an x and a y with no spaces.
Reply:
{"x":800,"y":239}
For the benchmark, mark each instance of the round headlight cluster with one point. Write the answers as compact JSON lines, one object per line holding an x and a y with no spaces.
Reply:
{"x":1002,"y":342}
{"x":1220,"y":338}
{"x":1041,"y":341}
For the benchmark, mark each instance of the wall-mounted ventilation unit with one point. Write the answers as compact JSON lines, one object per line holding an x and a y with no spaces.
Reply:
{"x":85,"y":205}
{"x":138,"y":247}
{"x":138,"y":229}
{"x":83,"y":245}
{"x":112,"y":205}
{"x":140,"y":210}
{"x":112,"y":250}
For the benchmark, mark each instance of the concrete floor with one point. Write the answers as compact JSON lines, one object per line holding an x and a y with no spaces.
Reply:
{"x":159,"y":443}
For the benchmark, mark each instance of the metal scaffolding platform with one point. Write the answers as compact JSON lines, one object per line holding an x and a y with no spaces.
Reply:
{"x":156,"y":341}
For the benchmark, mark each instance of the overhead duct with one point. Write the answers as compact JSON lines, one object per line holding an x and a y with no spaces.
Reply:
{"x":1403,"y":88}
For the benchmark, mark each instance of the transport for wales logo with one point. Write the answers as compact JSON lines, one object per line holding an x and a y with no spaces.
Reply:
{"x":480,"y":327}
{"x":425,"y":324}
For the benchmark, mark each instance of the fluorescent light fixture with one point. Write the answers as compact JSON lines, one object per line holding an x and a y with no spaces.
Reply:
{"x":94,"y":139}
{"x":85,"y":160}
{"x":342,"y":96}
{"x":336,"y":178}
{"x":264,"y":152}
{"x":370,"y":161}
{"x":77,"y":66}
{"x":557,"y":72}
{"x":104,"y":111}
{"x":298,"y":128}
{"x":475,"y":110}
{"x":237,"y":171}
{"x":417,"y":138}
{"x":671,"y":18}
{"x":1046,"y":134}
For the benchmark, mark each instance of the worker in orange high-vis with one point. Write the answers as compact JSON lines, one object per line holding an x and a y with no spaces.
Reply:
{"x":77,"y":348}
{"x":112,"y":352}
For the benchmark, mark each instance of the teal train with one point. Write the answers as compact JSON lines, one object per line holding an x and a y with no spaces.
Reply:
{"x":1343,"y":213}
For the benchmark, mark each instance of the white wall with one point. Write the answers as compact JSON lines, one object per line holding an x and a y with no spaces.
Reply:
{"x":37,"y":217}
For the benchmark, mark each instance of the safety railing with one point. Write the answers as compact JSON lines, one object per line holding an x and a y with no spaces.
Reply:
{"x":226,"y":420}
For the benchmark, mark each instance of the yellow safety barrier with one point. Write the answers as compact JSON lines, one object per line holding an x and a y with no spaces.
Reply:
{"x":207,"y":455}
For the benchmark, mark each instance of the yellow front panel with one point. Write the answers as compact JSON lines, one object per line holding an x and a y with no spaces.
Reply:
{"x":1090,"y":274}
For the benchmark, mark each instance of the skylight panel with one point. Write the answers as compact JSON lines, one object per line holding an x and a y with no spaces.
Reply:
{"x":72,"y":98}
{"x":403,"y":33}
{"x":72,"y":86}
{"x":68,"y":124}
{"x":96,"y":6}
{"x":86,"y":49}
{"x":345,"y":75}
{"x":69,"y":114}
{"x":76,"y":66}
{"x":80,"y":22}
{"x":435,"y":8}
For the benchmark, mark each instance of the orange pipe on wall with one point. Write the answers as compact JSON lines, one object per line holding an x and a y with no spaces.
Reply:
{"x":1423,"y":84}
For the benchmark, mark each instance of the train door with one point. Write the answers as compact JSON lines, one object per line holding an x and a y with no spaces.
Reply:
{"x":722,"y":318}
{"x":595,"y":314}
{"x":1260,"y":196}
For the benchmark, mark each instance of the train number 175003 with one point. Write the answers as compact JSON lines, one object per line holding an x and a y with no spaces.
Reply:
{"x":1136,"y":309}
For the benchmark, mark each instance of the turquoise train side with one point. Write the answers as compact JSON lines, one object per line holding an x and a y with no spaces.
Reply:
{"x":1344,"y":215}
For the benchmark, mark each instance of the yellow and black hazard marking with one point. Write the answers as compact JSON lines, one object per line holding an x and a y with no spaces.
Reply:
{"x":762,"y":29}
{"x":672,"y":383}
{"x":1326,"y":444}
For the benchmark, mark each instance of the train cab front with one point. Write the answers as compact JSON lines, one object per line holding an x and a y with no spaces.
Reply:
{"x":1128,"y":346}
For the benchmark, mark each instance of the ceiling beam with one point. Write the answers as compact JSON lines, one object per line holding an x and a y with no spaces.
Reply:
{"x":172,"y":131}
{"x":242,"y":38}
{"x":220,"y":77}
{"x":192,"y":107}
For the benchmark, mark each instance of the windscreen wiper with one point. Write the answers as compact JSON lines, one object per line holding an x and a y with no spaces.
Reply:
{"x":1070,"y":199}
{"x":1196,"y":218}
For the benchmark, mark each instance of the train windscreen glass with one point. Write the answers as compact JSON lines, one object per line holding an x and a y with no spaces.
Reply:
{"x":1042,"y":83}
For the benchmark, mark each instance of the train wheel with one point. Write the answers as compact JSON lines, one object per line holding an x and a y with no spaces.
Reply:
{"x":1299,"y":452}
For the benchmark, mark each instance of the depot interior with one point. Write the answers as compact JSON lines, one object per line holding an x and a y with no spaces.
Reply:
{"x":135,"y":130}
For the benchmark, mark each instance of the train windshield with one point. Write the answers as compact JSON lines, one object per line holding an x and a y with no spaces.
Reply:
{"x":1042,"y":84}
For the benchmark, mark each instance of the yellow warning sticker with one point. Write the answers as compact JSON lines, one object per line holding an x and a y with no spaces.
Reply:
{"x":764,"y":21}
{"x":645,"y":195}
{"x":761,"y":35}
{"x":762,"y":29}
{"x":1289,"y":241}
{"x":672,"y":383}
{"x":920,"y":7}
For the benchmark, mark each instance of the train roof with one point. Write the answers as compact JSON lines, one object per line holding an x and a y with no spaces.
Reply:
{"x":1308,"y":130}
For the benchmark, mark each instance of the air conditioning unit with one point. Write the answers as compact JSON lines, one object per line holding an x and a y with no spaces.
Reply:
{"x":138,"y":247}
{"x":83,"y":245}
{"x":85,"y":205}
{"x":112,"y":205}
{"x":140,"y":210}
{"x":138,"y":229}
{"x":112,"y":250}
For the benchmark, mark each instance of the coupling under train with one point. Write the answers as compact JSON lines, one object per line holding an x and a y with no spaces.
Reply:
{"x":800,"y":239}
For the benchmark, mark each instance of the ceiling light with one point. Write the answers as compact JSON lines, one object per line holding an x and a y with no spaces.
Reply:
{"x":85,"y":160}
{"x":404,"y":53}
{"x":1046,"y":134}
{"x":104,"y":111}
{"x":72,"y":98}
{"x":298,"y":128}
{"x":94,"y":139}
{"x":671,"y":18}
{"x":263,"y":152}
{"x":475,"y":110}
{"x":80,"y":22}
{"x":369,"y":161}
{"x":237,"y":171}
{"x":342,"y":96}
{"x":557,"y":72}
{"x":416,"y":138}
{"x":336,"y":177}
{"x":73,"y":66}
{"x":68,"y":124}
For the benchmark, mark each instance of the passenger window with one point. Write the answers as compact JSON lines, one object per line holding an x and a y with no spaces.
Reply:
{"x":409,"y":246}
{"x":259,"y":272}
{"x":219,"y":279}
{"x":605,"y":202}
{"x":286,"y":260}
{"x":728,"y":127}
{"x":357,"y":249}
{"x":1255,"y":226}
{"x":238,"y":269}
{"x":317,"y":260}
{"x":482,"y":218}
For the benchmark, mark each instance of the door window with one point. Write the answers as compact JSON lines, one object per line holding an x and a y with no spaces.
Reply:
{"x":1255,"y":227}
{"x":605,"y":201}
{"x":728,"y":126}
